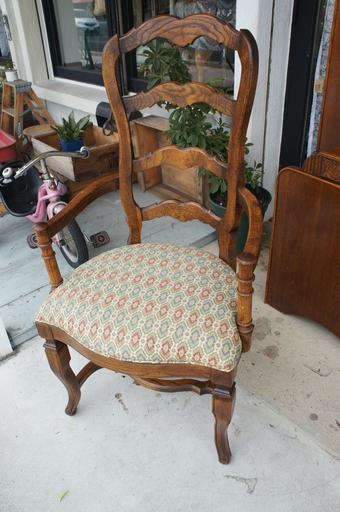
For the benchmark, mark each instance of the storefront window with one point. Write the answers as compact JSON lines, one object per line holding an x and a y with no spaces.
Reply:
{"x":78,"y":31}
{"x":206,"y":60}
{"x":92,"y":33}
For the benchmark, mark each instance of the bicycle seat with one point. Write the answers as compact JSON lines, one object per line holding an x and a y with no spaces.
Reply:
{"x":20,"y":197}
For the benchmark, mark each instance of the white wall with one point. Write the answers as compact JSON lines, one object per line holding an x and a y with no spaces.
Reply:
{"x":270,"y":23}
{"x":26,"y":45}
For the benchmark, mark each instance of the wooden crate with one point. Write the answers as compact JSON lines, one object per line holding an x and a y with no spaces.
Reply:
{"x":165,"y":181}
{"x":103,"y":159}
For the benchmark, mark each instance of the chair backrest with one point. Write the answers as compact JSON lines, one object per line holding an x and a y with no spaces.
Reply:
{"x":183,"y":32}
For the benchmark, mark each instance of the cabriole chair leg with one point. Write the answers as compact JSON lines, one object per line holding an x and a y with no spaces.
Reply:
{"x":58,"y":356}
{"x":223,"y":403}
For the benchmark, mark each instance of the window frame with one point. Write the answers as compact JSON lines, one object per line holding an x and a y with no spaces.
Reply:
{"x":119,"y":20}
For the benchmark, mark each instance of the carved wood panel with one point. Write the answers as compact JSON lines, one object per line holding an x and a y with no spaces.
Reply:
{"x":325,"y":164}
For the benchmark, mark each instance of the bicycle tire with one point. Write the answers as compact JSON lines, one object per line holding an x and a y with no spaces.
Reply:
{"x":73,"y":245}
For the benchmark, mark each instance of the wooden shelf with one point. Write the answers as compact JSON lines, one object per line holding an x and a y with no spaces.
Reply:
{"x":9,"y":111}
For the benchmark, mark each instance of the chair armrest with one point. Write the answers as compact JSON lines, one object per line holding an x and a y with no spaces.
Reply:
{"x":252,"y":208}
{"x":80,"y":202}
{"x":46,"y":230}
{"x":246,"y":263}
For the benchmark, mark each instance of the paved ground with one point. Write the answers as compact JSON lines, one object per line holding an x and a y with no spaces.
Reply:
{"x":131,"y":449}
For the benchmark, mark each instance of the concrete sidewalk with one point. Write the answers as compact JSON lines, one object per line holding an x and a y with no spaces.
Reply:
{"x":131,"y":449}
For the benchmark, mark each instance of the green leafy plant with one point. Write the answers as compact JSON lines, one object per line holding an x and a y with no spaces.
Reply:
{"x":219,"y":84}
{"x":191,"y":128}
{"x":8,"y":64}
{"x":188,"y":126}
{"x":164,"y":63}
{"x":70,"y":129}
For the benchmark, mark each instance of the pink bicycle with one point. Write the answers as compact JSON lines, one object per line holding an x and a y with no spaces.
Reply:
{"x":26,"y":192}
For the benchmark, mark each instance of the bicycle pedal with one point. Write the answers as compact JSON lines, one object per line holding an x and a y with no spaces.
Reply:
{"x":32,"y":241}
{"x":99,"y":239}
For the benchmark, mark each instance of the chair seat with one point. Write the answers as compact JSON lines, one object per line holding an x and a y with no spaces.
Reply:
{"x":151,"y":303}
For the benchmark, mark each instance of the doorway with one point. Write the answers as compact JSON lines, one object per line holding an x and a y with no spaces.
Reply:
{"x":307,"y":24}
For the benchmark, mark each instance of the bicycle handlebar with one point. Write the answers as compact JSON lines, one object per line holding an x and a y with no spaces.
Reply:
{"x":9,"y":173}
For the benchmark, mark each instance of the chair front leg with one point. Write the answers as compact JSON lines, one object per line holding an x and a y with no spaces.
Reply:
{"x":58,"y":356}
{"x":223,"y":403}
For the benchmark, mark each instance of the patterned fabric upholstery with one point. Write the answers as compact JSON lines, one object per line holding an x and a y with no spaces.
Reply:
{"x":151,"y":303}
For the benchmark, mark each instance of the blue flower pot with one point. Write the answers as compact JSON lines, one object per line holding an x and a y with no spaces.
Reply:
{"x":72,"y":145}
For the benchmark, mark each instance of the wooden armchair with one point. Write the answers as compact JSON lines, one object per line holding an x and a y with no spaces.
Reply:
{"x":174,"y":318}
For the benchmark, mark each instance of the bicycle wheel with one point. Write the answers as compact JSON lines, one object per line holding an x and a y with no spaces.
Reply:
{"x":73,"y":245}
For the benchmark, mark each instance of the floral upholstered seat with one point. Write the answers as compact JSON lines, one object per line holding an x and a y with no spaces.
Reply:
{"x":154,"y":303}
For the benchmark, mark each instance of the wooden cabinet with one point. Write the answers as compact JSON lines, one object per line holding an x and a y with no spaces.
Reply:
{"x":304,"y":273}
{"x":325,"y":164}
{"x":166,"y":180}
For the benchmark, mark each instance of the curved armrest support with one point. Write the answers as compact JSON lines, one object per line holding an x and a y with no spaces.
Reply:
{"x":247,"y":261}
{"x":80,"y":202}
{"x":46,"y":230}
{"x":252,"y":208}
{"x":47,"y":253}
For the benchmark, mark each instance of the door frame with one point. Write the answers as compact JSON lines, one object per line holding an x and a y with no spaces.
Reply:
{"x":305,"y":40}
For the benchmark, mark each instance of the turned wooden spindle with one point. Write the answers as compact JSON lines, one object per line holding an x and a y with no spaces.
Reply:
{"x":245,"y":277}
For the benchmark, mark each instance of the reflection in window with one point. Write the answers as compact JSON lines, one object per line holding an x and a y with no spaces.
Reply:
{"x":207,"y":60}
{"x":79,"y":29}
{"x":4,"y":46}
{"x":82,"y":31}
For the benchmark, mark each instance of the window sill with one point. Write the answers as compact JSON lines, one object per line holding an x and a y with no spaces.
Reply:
{"x":74,"y":95}
{"x":78,"y":96}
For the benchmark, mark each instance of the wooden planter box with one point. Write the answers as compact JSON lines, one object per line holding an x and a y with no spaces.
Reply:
{"x":103,"y":159}
{"x":165,"y":181}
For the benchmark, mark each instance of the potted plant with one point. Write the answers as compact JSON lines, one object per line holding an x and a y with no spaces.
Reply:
{"x":70,"y":132}
{"x":163,"y":63}
{"x":10,"y":71}
{"x":189,"y":126}
{"x":219,"y":195}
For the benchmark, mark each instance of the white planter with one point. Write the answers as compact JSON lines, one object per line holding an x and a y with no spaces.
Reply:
{"x":11,"y":75}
